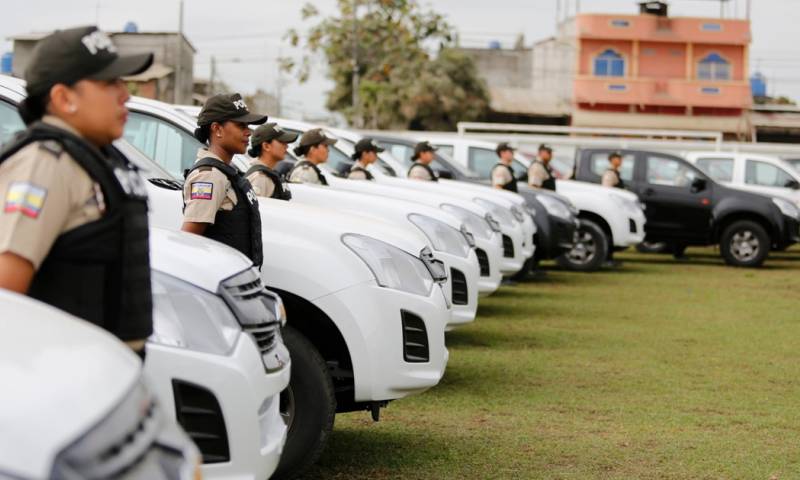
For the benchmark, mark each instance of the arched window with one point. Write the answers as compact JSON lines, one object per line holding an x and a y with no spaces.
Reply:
{"x":713,"y":67}
{"x":609,"y":64}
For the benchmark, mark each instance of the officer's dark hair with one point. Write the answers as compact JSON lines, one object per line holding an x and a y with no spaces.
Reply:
{"x":613,"y":155}
{"x":33,"y":108}
{"x":254,"y":151}
{"x":202,"y":133}
{"x":302,"y":150}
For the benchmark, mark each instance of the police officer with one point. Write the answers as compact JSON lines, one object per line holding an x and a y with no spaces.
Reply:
{"x":423,"y":156}
{"x":611,"y":177}
{"x":365,"y":154}
{"x":268,"y":147}
{"x":502,"y":173}
{"x":540,"y":175}
{"x":314,"y":146}
{"x":218,"y":201}
{"x":73,"y":228}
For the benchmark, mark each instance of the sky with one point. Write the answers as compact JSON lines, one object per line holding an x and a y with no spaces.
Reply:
{"x":248,"y":36}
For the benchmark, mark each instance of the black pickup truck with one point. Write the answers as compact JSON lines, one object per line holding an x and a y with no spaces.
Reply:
{"x":685,"y":207}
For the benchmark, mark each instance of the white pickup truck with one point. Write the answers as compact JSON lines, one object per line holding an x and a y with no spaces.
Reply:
{"x":75,"y":404}
{"x":763,"y":174}
{"x":610,"y":218}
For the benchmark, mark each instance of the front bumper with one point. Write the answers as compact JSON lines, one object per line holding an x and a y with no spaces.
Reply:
{"x":513,"y":257}
{"x":369,"y":318}
{"x":461,"y":288}
{"x":555,"y":235}
{"x":248,"y":399}
{"x":491,"y":251}
{"x":630,"y":231}
{"x":790,"y":233}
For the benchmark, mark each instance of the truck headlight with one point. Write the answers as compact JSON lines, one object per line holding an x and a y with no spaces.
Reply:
{"x":554,"y":207}
{"x":786,"y":207}
{"x":442,"y":236}
{"x":493,"y":224}
{"x":502,"y":214}
{"x":475,"y":223}
{"x":468,"y":236}
{"x":392,"y":267}
{"x":186,"y":316}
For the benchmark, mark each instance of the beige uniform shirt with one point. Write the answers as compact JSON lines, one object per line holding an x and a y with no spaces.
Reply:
{"x":537,"y":175}
{"x":45,"y":193}
{"x":263,"y":186}
{"x":609,"y":179}
{"x":206,"y":191}
{"x":419,"y":173}
{"x":357,"y":174}
{"x":500,"y":176}
{"x":304,"y":174}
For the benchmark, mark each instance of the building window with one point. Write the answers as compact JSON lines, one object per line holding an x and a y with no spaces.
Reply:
{"x":620,"y":23}
{"x":609,"y":64}
{"x":617,"y":88}
{"x":713,"y":67}
{"x":710,"y":90}
{"x":711,"y":27}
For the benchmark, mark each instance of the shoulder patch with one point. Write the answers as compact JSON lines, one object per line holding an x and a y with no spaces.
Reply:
{"x":25,"y":198}
{"x":52,"y":147}
{"x":202,"y":191}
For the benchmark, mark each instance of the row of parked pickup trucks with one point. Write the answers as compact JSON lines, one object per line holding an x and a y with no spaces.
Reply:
{"x":360,"y":282}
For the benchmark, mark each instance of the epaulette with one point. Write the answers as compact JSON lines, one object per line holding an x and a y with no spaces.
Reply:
{"x":53,"y":147}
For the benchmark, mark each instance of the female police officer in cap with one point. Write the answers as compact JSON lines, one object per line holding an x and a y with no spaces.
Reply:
{"x":365,"y":154}
{"x":421,"y":169}
{"x":218,"y":201}
{"x":73,"y":228}
{"x":269,"y":144}
{"x":502,"y":173}
{"x":314,"y":147}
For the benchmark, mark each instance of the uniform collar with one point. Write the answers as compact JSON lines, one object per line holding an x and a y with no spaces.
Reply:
{"x":206,"y":153}
{"x":360,"y":165}
{"x":54,"y":121}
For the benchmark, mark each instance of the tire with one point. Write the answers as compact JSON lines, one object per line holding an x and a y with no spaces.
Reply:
{"x":590,"y":250}
{"x":308,"y":406}
{"x":652,"y":247}
{"x":745,"y":244}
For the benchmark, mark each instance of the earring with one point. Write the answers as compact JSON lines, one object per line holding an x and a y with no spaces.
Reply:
{"x":72,"y":108}
{"x":219,"y":135}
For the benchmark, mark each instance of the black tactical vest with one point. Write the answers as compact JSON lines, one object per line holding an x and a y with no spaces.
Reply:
{"x":281,"y":192}
{"x":433,"y":175}
{"x":620,"y":183}
{"x":240,"y":227}
{"x":303,"y":163}
{"x":99,"y":271}
{"x":512,"y":185}
{"x":366,"y":172}
{"x":550,"y":182}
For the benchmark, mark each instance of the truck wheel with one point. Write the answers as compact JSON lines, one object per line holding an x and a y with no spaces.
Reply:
{"x":745,"y":244}
{"x":308,"y":406}
{"x":589,"y":251}
{"x":652,"y":247}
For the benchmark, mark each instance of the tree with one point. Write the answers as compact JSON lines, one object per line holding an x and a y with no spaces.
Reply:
{"x":407,"y":71}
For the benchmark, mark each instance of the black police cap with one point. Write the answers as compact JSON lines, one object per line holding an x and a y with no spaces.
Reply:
{"x":545,"y":147}
{"x":315,"y":136}
{"x":422,"y":147}
{"x":502,"y":147}
{"x":68,"y":56}
{"x":366,"y":145}
{"x":271,"y":131}
{"x":228,"y":107}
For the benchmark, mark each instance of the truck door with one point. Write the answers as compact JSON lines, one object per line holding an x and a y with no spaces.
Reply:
{"x":678,"y":198}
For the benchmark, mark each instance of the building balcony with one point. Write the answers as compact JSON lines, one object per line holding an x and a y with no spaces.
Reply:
{"x":662,"y":92}
{"x":646,"y":28}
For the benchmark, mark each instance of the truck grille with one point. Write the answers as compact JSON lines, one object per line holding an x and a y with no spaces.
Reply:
{"x":198,"y":412}
{"x":415,"y":338}
{"x":508,"y":247}
{"x":631,"y":225}
{"x":253,"y":307}
{"x":460,"y":294}
{"x":483,"y":261}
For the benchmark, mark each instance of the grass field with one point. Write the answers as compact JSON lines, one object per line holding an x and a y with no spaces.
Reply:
{"x":656,"y":370}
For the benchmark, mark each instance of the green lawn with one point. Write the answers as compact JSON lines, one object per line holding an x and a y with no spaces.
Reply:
{"x":656,"y":370}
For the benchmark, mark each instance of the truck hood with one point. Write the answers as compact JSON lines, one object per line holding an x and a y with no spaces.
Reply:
{"x":586,"y":187}
{"x":60,"y":377}
{"x":194,"y":259}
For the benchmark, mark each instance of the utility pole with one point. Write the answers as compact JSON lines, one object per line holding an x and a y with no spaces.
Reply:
{"x":355,"y":76}
{"x":213,"y":77}
{"x":279,"y":87}
{"x":179,"y":56}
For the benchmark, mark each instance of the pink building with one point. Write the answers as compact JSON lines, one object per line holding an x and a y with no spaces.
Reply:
{"x":655,"y":71}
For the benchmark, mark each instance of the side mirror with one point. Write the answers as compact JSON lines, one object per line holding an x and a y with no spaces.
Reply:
{"x":447,"y":174}
{"x":793,"y":184}
{"x":698,"y":185}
